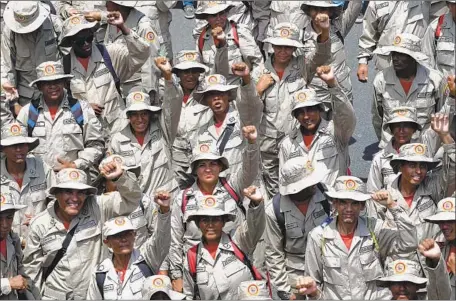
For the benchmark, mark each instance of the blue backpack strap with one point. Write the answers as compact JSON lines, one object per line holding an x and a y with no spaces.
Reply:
{"x":76,"y":110}
{"x":145,"y":269}
{"x":100,"y":278}
{"x":33,"y":115}
{"x":108,"y":63}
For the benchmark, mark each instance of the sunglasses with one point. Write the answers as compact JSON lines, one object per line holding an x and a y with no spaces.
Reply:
{"x":82,"y":40}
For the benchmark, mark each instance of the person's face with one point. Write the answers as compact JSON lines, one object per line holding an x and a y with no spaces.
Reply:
{"x":314,"y":11}
{"x":160,"y":296}
{"x":121,"y":243}
{"x":6,"y":222}
{"x":217,"y":20}
{"x":208,"y":171}
{"x":403,"y":132}
{"x":452,"y":7}
{"x":71,"y":201}
{"x":309,"y":117}
{"x":414,"y":172}
{"x":189,"y":78}
{"x":304,"y":194}
{"x":82,"y":43}
{"x":402,"y":61}
{"x":139,"y":121}
{"x":403,"y":290}
{"x":448,"y":229}
{"x":52,"y":90}
{"x":218,"y":101}
{"x":348,"y":210}
{"x":211,"y":227}
{"x":16,"y":153}
{"x":283,"y":54}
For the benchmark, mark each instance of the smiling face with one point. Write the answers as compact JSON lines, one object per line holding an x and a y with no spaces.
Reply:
{"x":211,"y":227}
{"x":218,"y":101}
{"x":413,"y":172}
{"x":52,"y":90}
{"x":121,"y":243}
{"x":309,"y":117}
{"x":16,"y":153}
{"x":217,"y":20}
{"x":403,"y":132}
{"x":139,"y":121}
{"x":189,"y":78}
{"x":403,"y":290}
{"x":208,"y":171}
{"x":448,"y":229}
{"x":71,"y":201}
{"x":283,"y":54}
{"x":347,"y":210}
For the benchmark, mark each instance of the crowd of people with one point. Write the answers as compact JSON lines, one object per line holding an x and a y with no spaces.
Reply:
{"x":222,"y":172}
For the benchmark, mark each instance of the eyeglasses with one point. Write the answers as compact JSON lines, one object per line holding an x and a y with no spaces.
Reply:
{"x":82,"y":40}
{"x":211,"y":219}
{"x":69,"y":192}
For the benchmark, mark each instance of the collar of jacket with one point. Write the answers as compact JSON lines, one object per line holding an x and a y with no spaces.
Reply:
{"x":322,"y":129}
{"x":421,"y":78}
{"x":64,"y":103}
{"x":128,"y":133}
{"x":269,"y":68}
{"x":30,"y":171}
{"x":107,"y":264}
{"x":287,"y":205}
{"x":331,"y":231}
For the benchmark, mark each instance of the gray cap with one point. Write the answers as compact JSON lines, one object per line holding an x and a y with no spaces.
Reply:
{"x":50,"y":71}
{"x":214,"y":82}
{"x":299,"y":173}
{"x":72,"y":178}
{"x":285,"y":34}
{"x":210,"y":8}
{"x":25,"y":16}
{"x":348,"y":188}
{"x":7,"y":202}
{"x":413,"y":152}
{"x":445,"y":211}
{"x":188,"y":59}
{"x":159,"y":283}
{"x":210,"y":205}
{"x":207,"y":151}
{"x":72,"y":26}
{"x":139,"y":101}
{"x":15,"y":133}
{"x":254,"y":290}
{"x":406,"y":43}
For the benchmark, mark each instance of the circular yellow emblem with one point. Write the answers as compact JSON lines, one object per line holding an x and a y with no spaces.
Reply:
{"x":118,"y":160}
{"x":309,"y":166}
{"x":397,"y":40}
{"x":285,"y":33}
{"x":15,"y":130}
{"x":150,"y":36}
{"x":350,"y":185}
{"x":74,"y":175}
{"x":212,"y":79}
{"x":138,"y":97}
{"x":209,"y":201}
{"x":400,"y":268}
{"x":204,"y":148}
{"x":448,"y":206}
{"x":119,"y":221}
{"x":190,"y":56}
{"x":3,"y":199}
{"x":49,"y":70}
{"x":158,"y":282}
{"x":212,"y":3}
{"x":75,"y":20}
{"x":419,"y":150}
{"x":302,"y":96}
{"x":253,"y":290}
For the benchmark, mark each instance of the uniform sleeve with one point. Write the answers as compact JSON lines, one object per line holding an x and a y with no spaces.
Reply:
{"x":8,"y":52}
{"x":349,"y":16}
{"x":32,"y":291}
{"x":314,"y":260}
{"x":250,"y":231}
{"x":344,"y":116}
{"x":377,"y":108}
{"x":221,"y":62}
{"x":130,"y":193}
{"x":284,"y":148}
{"x":249,"y":105}
{"x":400,"y":240}
{"x":93,"y":293}
{"x":444,"y":102}
{"x":308,"y":64}
{"x":177,"y":243}
{"x":375,"y":178}
{"x":6,"y":116}
{"x":156,"y":247}
{"x":274,"y":252}
{"x":249,"y":170}
{"x":182,"y":153}
{"x":370,"y":35}
{"x":128,"y":59}
{"x":149,"y":72}
{"x":189,"y":284}
{"x":249,"y":49}
{"x":428,"y":43}
{"x":439,"y":286}
{"x":171,"y":110}
{"x":437,"y":182}
{"x":33,"y":255}
{"x":92,"y":138}
{"x":261,"y":14}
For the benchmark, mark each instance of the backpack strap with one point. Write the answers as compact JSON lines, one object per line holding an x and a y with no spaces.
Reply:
{"x":201,"y":40}
{"x":100,"y":278}
{"x":233,"y":194}
{"x":192,"y":258}
{"x":245,"y":260}
{"x":235,"y":33}
{"x":279,"y":216}
{"x":66,"y":62}
{"x":184,"y":200}
{"x":145,"y":269}
{"x":33,"y":115}
{"x":108,"y":63}
{"x":76,"y":109}
{"x":325,"y":202}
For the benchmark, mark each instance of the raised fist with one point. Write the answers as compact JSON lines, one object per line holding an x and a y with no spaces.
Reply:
{"x":163,"y":199}
{"x":250,"y":133}
{"x":253,"y":193}
{"x":240,"y":69}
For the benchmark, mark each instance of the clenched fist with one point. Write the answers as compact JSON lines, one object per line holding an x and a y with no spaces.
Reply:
{"x":163,"y":199}
{"x":322,"y":26}
{"x":384,"y":198}
{"x":265,"y":81}
{"x":18,"y":283}
{"x":164,"y":65}
{"x":326,"y":73}
{"x":451,"y":80}
{"x":250,"y":133}
{"x":431,"y":250}
{"x":306,"y":286}
{"x":219,"y":36}
{"x":240,"y":69}
{"x":253,"y":193}
{"x":111,"y":171}
{"x":363,"y":72}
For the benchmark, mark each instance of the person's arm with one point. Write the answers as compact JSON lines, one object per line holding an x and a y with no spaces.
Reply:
{"x":8,"y":51}
{"x":92,"y":137}
{"x":375,"y":178}
{"x":157,"y":246}
{"x":428,"y":43}
{"x":251,"y":54}
{"x":261,"y":13}
{"x":176,"y":251}
{"x":314,"y":260}
{"x":93,"y":293}
{"x":189,"y":284}
{"x":33,"y":254}
{"x":377,"y":108}
{"x":274,"y":252}
{"x":149,"y":72}
{"x":350,"y":15}
{"x":370,"y":34}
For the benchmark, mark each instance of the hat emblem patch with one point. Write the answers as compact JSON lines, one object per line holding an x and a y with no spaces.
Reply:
{"x":253,"y":290}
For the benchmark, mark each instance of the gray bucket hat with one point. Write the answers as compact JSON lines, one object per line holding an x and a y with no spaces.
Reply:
{"x":402,"y":271}
{"x":72,"y":26}
{"x":139,"y":101}
{"x":402,"y":114}
{"x":15,"y":133}
{"x":445,"y":211}
{"x":306,"y":98}
{"x":285,"y":34}
{"x":299,"y":173}
{"x":404,"y":43}
{"x":159,"y":283}
{"x":210,"y":8}
{"x":125,"y":3}
{"x":50,"y":71}
{"x":207,"y":151}
{"x":72,"y":178}
{"x":210,"y":205}
{"x":413,"y":152}
{"x":348,"y":188}
{"x":7,"y":202}
{"x":254,"y":290}
{"x":188,"y":59}
{"x":117,"y":225}
{"x":25,"y":16}
{"x":214,"y":82}
{"x":327,"y":3}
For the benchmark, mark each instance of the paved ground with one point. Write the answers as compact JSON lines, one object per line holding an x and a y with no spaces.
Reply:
{"x":364,"y":142}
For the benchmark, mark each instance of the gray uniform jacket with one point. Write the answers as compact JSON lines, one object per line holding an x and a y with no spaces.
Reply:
{"x":352,"y":274}
{"x":219,"y":278}
{"x":185,"y":235}
{"x":71,"y":276}
{"x":12,"y":266}
{"x":152,"y":252}
{"x":440,"y":285}
{"x":428,"y":94}
{"x":63,"y":137}
{"x":285,"y":256}
{"x":330,"y":143}
{"x":154,"y":156}
{"x":384,"y":20}
{"x":144,"y":219}
{"x":22,"y":53}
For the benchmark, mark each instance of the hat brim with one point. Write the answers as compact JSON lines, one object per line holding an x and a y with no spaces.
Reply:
{"x":209,"y":156}
{"x":388,"y":49}
{"x":73,"y":185}
{"x":119,"y":230}
{"x":348,"y":195}
{"x":202,"y":14}
{"x":125,"y":3}
{"x":142,"y":107}
{"x":400,"y":120}
{"x":10,"y":21}
{"x":441,"y":217}
{"x":211,"y":212}
{"x":307,"y":104}
{"x":74,"y":31}
{"x":50,"y":78}
{"x":15,"y":207}
{"x":395,"y":162}
{"x":316,"y":177}
{"x":32,"y":142}
{"x":199,"y":95}
{"x":283,"y":42}
{"x":319,"y":4}
{"x":190,"y":65}
{"x":384,"y":281}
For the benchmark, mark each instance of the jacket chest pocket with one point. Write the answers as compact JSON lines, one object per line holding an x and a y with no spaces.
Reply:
{"x":50,"y":48}
{"x":78,"y":88}
{"x":271,"y":102}
{"x":445,"y":52}
{"x":72,"y":136}
{"x":370,"y":264}
{"x":425,"y":106}
{"x":159,"y":154}
{"x":127,"y":151}
{"x":137,"y":218}
{"x":233,"y":268}
{"x":136,"y":282}
{"x":102,"y":77}
{"x":37,"y":192}
{"x":425,"y":209}
{"x":23,"y":56}
{"x":332,"y":271}
{"x":50,"y":244}
{"x":202,"y":278}
{"x":293,"y":85}
{"x":293,"y":226}
{"x":234,"y":142}
{"x":234,"y":53}
{"x":208,"y":57}
{"x":326,"y":152}
{"x":87,"y":236}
